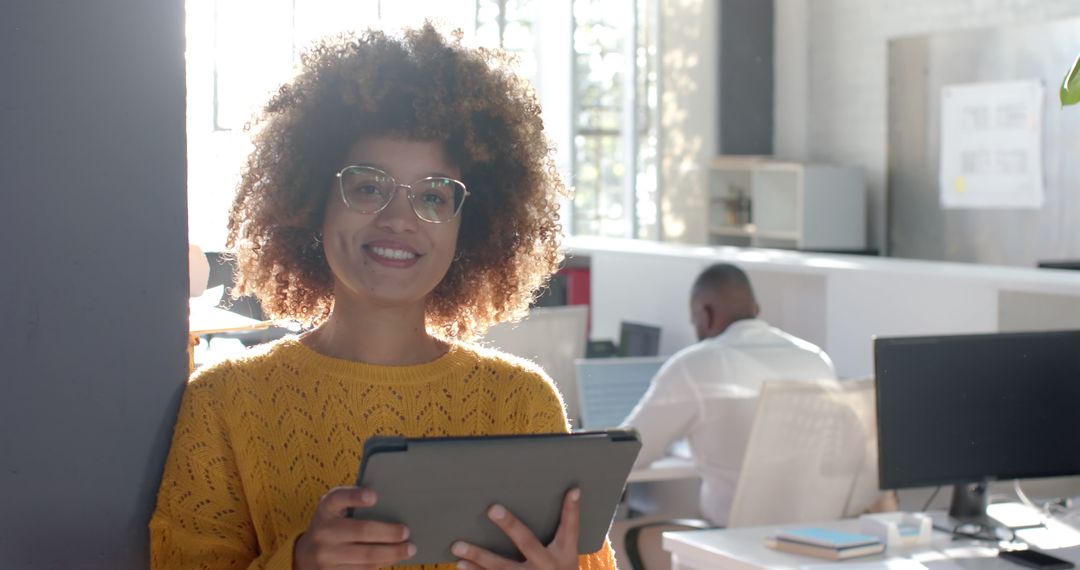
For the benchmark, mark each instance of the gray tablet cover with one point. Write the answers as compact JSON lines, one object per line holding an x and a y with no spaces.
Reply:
{"x":441,"y":488}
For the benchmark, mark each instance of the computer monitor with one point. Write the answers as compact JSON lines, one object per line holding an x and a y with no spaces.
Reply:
{"x":637,"y":339}
{"x":609,"y":388}
{"x":965,"y":410}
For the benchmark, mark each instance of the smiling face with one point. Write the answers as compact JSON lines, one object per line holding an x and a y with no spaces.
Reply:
{"x":390,"y":258}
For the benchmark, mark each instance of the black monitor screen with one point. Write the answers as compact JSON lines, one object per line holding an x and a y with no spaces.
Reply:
{"x":636,"y":339}
{"x":964,"y":408}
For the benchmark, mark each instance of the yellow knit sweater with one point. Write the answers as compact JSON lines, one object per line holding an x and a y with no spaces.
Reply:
{"x":259,"y":440}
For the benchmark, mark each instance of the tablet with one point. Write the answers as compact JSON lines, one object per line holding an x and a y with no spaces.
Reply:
{"x":441,"y":488}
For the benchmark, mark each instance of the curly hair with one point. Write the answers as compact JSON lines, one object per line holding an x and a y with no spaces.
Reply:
{"x":422,"y":86}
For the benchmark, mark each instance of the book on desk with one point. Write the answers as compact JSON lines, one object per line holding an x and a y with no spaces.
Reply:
{"x":825,"y":543}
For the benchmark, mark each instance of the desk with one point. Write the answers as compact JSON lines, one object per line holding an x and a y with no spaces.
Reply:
{"x":204,"y":320}
{"x":665,"y":469}
{"x":744,"y":548}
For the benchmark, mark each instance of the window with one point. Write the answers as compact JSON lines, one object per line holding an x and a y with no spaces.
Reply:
{"x":615,"y":143}
{"x":615,"y":196}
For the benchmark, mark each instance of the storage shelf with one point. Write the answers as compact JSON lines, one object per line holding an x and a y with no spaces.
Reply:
{"x":789,"y":205}
{"x":735,"y":231}
{"x":777,"y":234}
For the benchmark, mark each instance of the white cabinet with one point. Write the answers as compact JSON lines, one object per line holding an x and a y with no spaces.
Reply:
{"x":758,"y":202}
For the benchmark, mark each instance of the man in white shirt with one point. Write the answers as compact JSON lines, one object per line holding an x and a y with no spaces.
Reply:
{"x":708,"y":391}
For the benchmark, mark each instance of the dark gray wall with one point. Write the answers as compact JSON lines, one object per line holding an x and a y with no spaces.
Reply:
{"x":93,"y":284}
{"x":746,"y":77}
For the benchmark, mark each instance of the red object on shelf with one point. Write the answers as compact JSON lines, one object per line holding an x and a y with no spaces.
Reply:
{"x":578,"y":290}
{"x":577,"y":285}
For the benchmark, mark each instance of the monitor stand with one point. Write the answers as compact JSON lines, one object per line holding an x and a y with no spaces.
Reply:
{"x":969,"y":501}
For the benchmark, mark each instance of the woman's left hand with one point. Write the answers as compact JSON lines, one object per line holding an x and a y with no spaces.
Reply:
{"x":561,"y":554}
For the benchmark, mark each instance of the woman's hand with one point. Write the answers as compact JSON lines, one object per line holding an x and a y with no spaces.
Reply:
{"x":561,"y":554}
{"x":334,"y":540}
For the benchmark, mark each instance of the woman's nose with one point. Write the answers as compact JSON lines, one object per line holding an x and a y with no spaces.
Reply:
{"x":398,"y":215}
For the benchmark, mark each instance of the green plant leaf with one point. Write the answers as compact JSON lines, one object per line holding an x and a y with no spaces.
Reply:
{"x":1070,"y":87}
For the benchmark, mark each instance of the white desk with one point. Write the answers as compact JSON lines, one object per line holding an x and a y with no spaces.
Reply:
{"x":665,"y":469}
{"x":744,"y":548}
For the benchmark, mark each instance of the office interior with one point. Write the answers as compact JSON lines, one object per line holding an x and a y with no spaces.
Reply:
{"x":851,"y":232}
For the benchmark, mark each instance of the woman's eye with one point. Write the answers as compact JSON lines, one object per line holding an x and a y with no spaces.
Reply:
{"x":367,"y":189}
{"x":434,"y":199}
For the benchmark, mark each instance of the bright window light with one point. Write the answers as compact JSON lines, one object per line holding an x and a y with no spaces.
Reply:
{"x":240,"y":51}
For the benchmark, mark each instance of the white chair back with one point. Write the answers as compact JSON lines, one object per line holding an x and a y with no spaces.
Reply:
{"x":552,"y":337}
{"x":811,"y":456}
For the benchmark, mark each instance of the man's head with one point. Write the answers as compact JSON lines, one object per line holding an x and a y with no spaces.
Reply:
{"x":721,"y":295}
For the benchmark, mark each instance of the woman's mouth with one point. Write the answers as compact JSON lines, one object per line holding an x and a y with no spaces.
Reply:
{"x":391,"y":253}
{"x":391,"y":256}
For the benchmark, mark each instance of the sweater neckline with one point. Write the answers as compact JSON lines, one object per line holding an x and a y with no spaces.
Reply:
{"x":457,"y":358}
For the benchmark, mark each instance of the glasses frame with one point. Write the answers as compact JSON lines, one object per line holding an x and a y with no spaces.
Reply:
{"x":409,"y":192}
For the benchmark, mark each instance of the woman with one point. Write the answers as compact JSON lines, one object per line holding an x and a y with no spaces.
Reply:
{"x":401,"y":198}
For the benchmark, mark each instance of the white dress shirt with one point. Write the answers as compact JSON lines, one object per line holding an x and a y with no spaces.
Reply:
{"x":708,"y":392}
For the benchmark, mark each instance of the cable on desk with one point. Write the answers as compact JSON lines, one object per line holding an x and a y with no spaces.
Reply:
{"x":931,"y":499}
{"x":981,"y":532}
{"x":1023,"y":497}
{"x":1057,"y":508}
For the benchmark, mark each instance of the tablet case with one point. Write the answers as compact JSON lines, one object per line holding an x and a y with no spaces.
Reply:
{"x":441,"y":488}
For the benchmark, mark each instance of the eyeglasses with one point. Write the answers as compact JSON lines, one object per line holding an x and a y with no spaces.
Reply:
{"x":368,"y":190}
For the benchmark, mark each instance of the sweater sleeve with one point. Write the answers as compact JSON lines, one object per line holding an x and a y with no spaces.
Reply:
{"x":202,"y":519}
{"x":546,"y":411}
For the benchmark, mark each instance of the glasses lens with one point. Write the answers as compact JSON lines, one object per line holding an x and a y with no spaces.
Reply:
{"x":366,"y":189}
{"x":438,"y":199}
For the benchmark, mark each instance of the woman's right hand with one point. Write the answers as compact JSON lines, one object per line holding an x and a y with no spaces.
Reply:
{"x":335,"y":540}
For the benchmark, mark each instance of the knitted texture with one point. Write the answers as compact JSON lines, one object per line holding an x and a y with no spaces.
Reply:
{"x":259,"y":440}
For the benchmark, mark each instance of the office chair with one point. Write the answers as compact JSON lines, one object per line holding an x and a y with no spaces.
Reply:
{"x":633,"y":537}
{"x":222,"y":268}
{"x":552,"y":337}
{"x":811,"y":456}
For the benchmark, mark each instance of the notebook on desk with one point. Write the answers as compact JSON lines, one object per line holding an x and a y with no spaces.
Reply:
{"x":609,"y":388}
{"x":825,"y":543}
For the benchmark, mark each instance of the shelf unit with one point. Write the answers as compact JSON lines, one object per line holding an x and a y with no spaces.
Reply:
{"x":758,"y":202}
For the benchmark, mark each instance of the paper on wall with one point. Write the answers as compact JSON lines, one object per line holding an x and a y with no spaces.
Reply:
{"x":991,"y":145}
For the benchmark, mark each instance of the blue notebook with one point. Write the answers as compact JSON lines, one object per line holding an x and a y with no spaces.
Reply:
{"x":828,"y":538}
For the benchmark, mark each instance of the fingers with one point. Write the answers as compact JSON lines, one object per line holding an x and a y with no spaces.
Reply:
{"x":334,"y":540}
{"x":354,"y":543}
{"x":474,"y":558}
{"x":561,"y":553}
{"x":372,"y":555}
{"x":351,"y":530}
{"x":362,"y":555}
{"x":566,"y":538}
{"x":336,"y":503}
{"x":521,"y":535}
{"x":523,"y":538}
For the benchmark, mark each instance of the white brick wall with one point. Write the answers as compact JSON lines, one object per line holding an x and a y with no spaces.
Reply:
{"x":842,"y":43}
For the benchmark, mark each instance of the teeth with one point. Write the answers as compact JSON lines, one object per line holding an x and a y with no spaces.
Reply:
{"x":393,"y":253}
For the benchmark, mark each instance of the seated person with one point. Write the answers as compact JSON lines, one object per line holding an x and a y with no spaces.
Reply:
{"x":692,"y":394}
